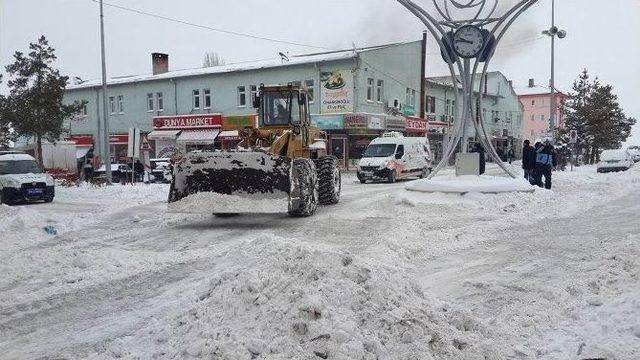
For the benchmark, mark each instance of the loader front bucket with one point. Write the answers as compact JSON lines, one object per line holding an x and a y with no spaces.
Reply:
{"x":231,"y":182}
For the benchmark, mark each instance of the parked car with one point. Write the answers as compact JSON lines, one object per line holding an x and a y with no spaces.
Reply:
{"x":394,"y":156}
{"x":614,"y":160}
{"x":161,"y":170}
{"x":634,"y":151}
{"x":119,"y":172}
{"x":22,"y":180}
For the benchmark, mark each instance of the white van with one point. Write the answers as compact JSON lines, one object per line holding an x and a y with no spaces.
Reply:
{"x":394,"y":156}
{"x":22,"y":180}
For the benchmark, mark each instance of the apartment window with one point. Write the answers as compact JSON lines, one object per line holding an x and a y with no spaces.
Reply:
{"x":195,"y":94}
{"x":410,"y":97}
{"x":369,"y":89}
{"x":310,"y":84}
{"x":112,"y":105}
{"x":150,"y":102}
{"x":533,"y":117}
{"x":453,"y":108}
{"x":447,"y":110}
{"x":160,"y":100}
{"x":431,"y":105}
{"x":484,"y":113}
{"x":242,"y":96}
{"x":120,"y":104}
{"x":207,"y":98}
{"x":254,"y":93}
{"x":83,"y":111}
{"x":541,"y":117}
{"x":533,"y":102}
{"x":380,"y":91}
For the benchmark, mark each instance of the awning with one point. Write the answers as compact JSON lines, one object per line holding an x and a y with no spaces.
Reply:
{"x":229,"y":135}
{"x":198,"y":136}
{"x":82,"y":152}
{"x":163,"y":135}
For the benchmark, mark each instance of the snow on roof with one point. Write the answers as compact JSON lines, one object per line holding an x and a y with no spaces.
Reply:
{"x":16,"y":157}
{"x":535,"y":90}
{"x":446,"y":81}
{"x":236,"y":67}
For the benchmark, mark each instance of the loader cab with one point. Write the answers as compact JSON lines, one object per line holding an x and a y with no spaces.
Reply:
{"x":282,"y":107}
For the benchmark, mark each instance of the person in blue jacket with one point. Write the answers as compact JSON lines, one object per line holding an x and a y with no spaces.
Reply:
{"x":546,"y":160}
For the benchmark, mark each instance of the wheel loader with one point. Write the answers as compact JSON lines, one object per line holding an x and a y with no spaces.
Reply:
{"x":280,"y":166}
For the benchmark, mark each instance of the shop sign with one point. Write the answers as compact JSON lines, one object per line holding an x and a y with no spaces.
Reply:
{"x":376,"y":123}
{"x":238,"y":122}
{"x":408,"y":110}
{"x":187,"y":121}
{"x":336,"y":91}
{"x":119,"y":139}
{"x":416,"y":124}
{"x":355,"y":121}
{"x":81,"y":140}
{"x":395,"y":124}
{"x":328,"y":122}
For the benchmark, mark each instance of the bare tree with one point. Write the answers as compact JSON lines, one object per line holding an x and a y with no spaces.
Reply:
{"x":212,"y":59}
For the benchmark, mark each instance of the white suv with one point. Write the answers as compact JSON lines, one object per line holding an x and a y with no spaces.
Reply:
{"x":22,"y":180}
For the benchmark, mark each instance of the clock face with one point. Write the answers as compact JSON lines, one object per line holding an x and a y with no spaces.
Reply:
{"x":468,"y":41}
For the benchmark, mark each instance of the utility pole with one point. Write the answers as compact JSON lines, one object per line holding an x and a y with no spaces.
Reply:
{"x":105,"y":114}
{"x":552,"y":112}
{"x":561,"y":34}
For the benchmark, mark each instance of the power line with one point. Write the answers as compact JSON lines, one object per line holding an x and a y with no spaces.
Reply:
{"x":228,"y":32}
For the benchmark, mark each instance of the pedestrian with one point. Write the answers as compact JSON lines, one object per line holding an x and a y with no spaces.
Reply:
{"x":546,"y":160}
{"x":500,"y":153}
{"x":478,"y":148}
{"x":510,"y":155}
{"x":87,"y":170}
{"x":528,"y":161}
{"x":139,"y":170}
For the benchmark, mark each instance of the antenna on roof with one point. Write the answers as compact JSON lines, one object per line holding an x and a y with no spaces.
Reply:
{"x":284,"y":57}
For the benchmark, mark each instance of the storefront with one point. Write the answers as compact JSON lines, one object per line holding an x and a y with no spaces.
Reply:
{"x":350,"y":134}
{"x":83,"y":144}
{"x":436,"y":132}
{"x":183,"y":133}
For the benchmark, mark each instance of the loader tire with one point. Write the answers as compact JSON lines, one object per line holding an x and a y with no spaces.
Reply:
{"x":329,"y":180}
{"x":305,"y":187}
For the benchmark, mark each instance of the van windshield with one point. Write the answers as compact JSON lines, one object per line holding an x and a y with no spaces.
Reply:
{"x":380,"y":150}
{"x":19,"y":167}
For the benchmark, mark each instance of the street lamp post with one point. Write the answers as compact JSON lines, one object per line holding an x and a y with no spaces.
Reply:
{"x":561,"y":34}
{"x":105,"y":114}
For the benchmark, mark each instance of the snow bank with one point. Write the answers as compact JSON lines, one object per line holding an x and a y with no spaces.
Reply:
{"x":280,"y":300}
{"x":470,"y":184}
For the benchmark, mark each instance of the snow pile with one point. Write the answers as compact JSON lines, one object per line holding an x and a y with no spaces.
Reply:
{"x":20,"y":219}
{"x":470,"y":184}
{"x":282,"y":301}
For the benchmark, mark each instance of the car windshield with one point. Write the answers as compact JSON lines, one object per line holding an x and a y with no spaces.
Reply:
{"x":19,"y":167}
{"x":281,"y":108}
{"x":380,"y":150}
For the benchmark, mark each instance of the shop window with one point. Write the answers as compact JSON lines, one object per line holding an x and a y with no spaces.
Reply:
{"x":150,"y":102}
{"x":112,"y":105}
{"x":242,"y":96}
{"x":310,"y":86}
{"x":160,"y":99}
{"x":370,"y":89}
{"x":380,"y":91}
{"x":120,"y":104}
{"x":358,"y":145}
{"x":207,"y":98}
{"x":195,"y":95}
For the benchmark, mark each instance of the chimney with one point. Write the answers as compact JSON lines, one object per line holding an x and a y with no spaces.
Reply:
{"x":510,"y":83}
{"x":160,"y":63}
{"x":532,"y":83}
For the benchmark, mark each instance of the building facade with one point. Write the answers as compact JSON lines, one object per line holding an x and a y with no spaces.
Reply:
{"x":355,"y":96}
{"x":500,"y":107}
{"x":536,"y":102}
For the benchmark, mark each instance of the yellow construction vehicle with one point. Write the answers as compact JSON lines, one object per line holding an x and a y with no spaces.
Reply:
{"x":280,"y":166}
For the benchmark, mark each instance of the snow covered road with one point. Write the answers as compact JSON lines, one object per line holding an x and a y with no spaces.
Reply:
{"x":385,"y":274}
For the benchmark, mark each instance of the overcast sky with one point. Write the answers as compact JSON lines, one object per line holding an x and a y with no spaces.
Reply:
{"x":603,"y":36}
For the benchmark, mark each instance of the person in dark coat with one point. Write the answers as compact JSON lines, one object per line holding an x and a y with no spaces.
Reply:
{"x":483,"y":161}
{"x":528,"y":161}
{"x":546,"y":160}
{"x":138,"y":167}
{"x":511,"y":155}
